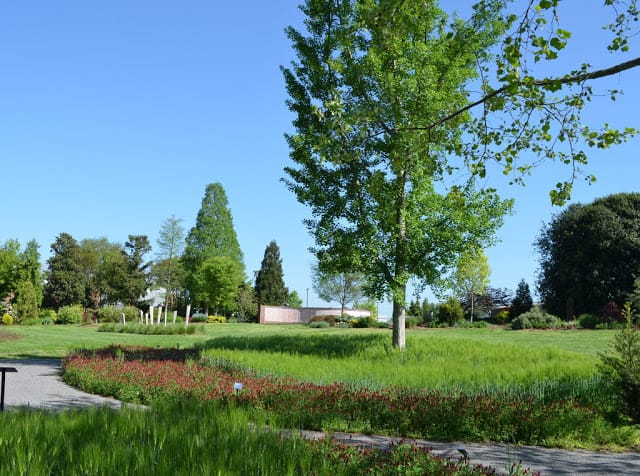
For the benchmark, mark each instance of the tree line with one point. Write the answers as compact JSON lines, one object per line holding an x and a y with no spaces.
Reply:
{"x":203,"y":268}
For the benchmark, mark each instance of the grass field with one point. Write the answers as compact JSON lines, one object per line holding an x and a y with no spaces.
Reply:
{"x":434,"y":358}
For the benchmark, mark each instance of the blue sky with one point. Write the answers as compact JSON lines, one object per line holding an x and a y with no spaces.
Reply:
{"x":115,"y":115}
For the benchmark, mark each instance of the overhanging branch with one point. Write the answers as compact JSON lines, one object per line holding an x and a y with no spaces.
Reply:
{"x":578,"y":78}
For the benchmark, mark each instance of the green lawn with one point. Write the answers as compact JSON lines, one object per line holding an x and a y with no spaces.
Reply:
{"x":443,"y":358}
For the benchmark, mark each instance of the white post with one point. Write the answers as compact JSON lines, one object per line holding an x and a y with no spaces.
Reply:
{"x":151,"y":316}
{"x":186,"y":318}
{"x":146,"y":318}
{"x":175,"y":314}
{"x":141,"y":317}
{"x":124,"y":321}
{"x":165,"y":315}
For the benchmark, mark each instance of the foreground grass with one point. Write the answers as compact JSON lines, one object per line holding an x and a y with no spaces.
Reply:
{"x":185,"y":438}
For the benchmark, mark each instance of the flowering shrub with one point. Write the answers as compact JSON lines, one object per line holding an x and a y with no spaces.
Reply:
{"x":146,"y":375}
{"x":7,"y":319}
{"x":216,"y":319}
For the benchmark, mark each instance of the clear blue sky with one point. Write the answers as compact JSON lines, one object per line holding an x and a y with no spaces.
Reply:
{"x":115,"y":115}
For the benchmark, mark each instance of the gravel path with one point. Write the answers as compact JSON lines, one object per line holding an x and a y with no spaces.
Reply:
{"x":37,"y":384}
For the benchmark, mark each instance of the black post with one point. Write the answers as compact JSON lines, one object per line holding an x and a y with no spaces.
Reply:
{"x":4,"y":370}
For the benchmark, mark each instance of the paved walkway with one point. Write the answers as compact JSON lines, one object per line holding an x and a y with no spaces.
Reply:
{"x":37,"y":384}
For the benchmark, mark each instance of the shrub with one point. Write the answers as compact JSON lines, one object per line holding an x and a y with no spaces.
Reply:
{"x":331,"y":320}
{"x":363,"y":322}
{"x":216,"y":319}
{"x":536,"y":319}
{"x":7,"y":319}
{"x":33,"y":321}
{"x":114,"y":314}
{"x":588,"y":321}
{"x":70,"y":314}
{"x":319,"y":324}
{"x":48,"y":315}
{"x":611,"y":312}
{"x":621,"y":367}
{"x":450,"y":312}
{"x":410,"y":322}
{"x":502,"y":317}
{"x":199,"y":317}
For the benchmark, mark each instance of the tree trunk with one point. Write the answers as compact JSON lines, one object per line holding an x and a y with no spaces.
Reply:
{"x":399,"y":314}
{"x":472,"y":307}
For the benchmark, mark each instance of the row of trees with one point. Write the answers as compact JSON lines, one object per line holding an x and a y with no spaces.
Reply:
{"x":203,"y":267}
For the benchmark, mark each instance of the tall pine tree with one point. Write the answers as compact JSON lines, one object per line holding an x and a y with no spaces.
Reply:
{"x":270,"y":288}
{"x":212,"y":236}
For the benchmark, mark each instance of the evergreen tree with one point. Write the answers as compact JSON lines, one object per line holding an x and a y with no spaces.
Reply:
{"x":270,"y":288}
{"x":212,"y":236}
{"x":522,"y":302}
{"x":134,"y":282}
{"x":65,"y":281}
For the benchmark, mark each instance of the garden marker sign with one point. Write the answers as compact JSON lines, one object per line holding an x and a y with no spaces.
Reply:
{"x":4,"y":370}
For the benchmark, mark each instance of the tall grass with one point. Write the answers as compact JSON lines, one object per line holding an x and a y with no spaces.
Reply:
{"x":427,"y":362}
{"x":186,"y":438}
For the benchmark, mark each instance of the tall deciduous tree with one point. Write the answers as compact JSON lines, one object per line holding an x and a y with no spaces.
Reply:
{"x":170,"y":249}
{"x":471,"y":277}
{"x":369,"y":80}
{"x":9,"y":267}
{"x":212,"y":236}
{"x":65,"y":280}
{"x":219,"y":278}
{"x":343,"y":288}
{"x":104,"y":268}
{"x":270,"y":288}
{"x":590,"y":255}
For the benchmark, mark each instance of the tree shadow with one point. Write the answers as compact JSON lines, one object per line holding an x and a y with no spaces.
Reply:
{"x":329,"y":346}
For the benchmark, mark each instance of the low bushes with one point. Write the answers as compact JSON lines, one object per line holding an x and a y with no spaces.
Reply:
{"x":536,"y":319}
{"x":169,"y":329}
{"x":216,"y":319}
{"x":70,"y":314}
{"x":7,"y":319}
{"x":198,"y":317}
{"x":114,"y":314}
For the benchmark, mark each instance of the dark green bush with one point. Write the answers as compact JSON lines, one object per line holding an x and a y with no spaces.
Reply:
{"x":588,"y":321}
{"x":70,"y":314}
{"x":319,"y":324}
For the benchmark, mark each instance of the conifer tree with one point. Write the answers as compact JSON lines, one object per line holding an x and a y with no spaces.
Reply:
{"x":65,"y":280}
{"x":213,"y":236}
{"x":522,"y":302}
{"x":270,"y":288}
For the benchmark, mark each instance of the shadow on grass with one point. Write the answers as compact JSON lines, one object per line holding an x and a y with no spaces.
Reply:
{"x":331,"y":346}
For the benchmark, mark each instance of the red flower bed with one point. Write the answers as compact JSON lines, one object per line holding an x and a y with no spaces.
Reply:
{"x":142,"y":375}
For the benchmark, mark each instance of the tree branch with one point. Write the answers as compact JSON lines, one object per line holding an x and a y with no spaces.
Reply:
{"x":578,"y":78}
